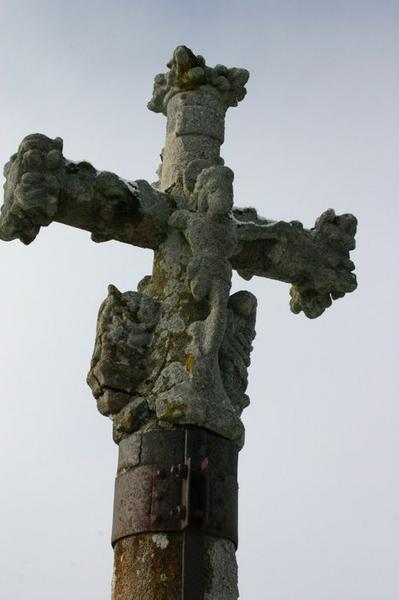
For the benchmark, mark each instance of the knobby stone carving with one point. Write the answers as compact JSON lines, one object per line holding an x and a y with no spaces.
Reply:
{"x":177,"y":351}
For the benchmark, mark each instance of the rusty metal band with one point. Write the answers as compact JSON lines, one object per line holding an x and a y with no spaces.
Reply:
{"x":193,"y":560}
{"x":180,"y":480}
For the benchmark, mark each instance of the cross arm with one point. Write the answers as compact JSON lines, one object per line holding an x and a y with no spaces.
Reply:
{"x":316,"y":262}
{"x":43,"y":186}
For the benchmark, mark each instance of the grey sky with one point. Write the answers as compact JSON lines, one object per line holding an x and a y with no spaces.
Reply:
{"x":319,"y":504}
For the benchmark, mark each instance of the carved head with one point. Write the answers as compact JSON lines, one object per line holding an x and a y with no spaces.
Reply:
{"x":213,"y":192}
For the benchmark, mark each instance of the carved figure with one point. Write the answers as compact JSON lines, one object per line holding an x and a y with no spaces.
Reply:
{"x":177,"y":351}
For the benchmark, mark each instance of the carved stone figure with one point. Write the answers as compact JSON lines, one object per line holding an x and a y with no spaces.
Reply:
{"x":177,"y":351}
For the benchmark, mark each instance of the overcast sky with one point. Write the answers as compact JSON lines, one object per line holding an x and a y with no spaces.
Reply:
{"x":319,"y":475}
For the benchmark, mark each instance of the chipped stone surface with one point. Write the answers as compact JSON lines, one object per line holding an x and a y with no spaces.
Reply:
{"x":161,"y":540}
{"x":188,"y":72}
{"x":197,"y":389}
{"x":144,"y":570}
{"x":149,"y":566}
{"x":235,"y":352}
{"x":125,"y":327}
{"x":158,"y":352}
{"x":43,"y":186}
{"x":315,"y":261}
{"x":34,"y":179}
{"x":223,"y":578}
{"x":177,"y":351}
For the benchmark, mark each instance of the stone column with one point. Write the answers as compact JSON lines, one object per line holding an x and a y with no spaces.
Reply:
{"x":169,"y":479}
{"x":157,"y":561}
{"x":194,"y":132}
{"x":170,"y":363}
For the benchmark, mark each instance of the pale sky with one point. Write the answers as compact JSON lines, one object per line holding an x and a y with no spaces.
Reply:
{"x":319,"y":475}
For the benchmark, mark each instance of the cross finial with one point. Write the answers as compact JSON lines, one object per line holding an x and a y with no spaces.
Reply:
{"x":195,"y":98}
{"x":188,"y":72}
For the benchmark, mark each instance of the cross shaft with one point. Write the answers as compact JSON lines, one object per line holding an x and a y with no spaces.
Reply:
{"x":175,"y":354}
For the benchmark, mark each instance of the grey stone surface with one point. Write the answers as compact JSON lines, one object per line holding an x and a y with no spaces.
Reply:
{"x":124,"y":331}
{"x":189,"y":72}
{"x":235,"y":351}
{"x":177,"y":351}
{"x":315,"y":261}
{"x":34,"y":178}
{"x":43,"y":186}
{"x":158,"y":357}
{"x":222,"y":565}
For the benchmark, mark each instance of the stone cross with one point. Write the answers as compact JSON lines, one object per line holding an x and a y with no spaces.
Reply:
{"x":170,"y":360}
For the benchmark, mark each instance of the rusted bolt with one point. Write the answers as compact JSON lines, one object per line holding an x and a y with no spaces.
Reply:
{"x":179,"y":512}
{"x":180,"y":471}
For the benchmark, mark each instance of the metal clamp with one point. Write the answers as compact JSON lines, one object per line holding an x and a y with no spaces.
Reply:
{"x":186,"y":477}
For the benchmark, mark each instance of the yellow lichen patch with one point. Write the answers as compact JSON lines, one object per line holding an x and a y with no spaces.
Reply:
{"x":190,"y":361}
{"x":146,"y":574}
{"x":173,"y":410}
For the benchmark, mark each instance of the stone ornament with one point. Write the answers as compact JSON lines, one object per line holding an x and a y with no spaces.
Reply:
{"x":177,"y":351}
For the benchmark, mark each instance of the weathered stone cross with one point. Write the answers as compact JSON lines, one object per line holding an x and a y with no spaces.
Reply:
{"x":170,"y":360}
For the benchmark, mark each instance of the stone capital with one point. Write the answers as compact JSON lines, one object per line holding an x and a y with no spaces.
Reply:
{"x":188,"y":72}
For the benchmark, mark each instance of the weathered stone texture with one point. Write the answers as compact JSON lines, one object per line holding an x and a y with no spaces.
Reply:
{"x":177,"y":351}
{"x":315,"y":261}
{"x":235,"y":351}
{"x":189,"y":72}
{"x":43,"y":186}
{"x":148,"y":567}
{"x":158,"y":353}
{"x":222,"y":570}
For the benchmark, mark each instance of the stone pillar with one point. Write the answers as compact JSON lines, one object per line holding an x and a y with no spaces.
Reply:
{"x":148,"y":566}
{"x":183,"y":478}
{"x":194,"y":132}
{"x":188,"y":550}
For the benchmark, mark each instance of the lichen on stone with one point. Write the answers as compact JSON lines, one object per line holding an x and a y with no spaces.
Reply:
{"x":124,"y":330}
{"x":188,"y":72}
{"x":34,"y":179}
{"x":177,"y":351}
